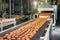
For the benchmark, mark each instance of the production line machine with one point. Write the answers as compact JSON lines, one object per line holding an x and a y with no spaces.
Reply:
{"x":33,"y":30}
{"x":51,"y":14}
{"x":52,"y":10}
{"x":37,"y":29}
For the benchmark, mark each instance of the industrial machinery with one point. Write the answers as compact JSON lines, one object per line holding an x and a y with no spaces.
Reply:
{"x":38,"y":28}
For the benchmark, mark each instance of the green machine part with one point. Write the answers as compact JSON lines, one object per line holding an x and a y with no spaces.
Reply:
{"x":3,"y":5}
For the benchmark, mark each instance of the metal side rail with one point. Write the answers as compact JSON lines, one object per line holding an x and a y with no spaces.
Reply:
{"x":48,"y":33}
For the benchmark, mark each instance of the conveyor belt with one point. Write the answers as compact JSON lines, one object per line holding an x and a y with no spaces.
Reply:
{"x":40,"y":32}
{"x":5,"y":22}
{"x":27,"y":31}
{"x":17,"y":16}
{"x":45,"y":15}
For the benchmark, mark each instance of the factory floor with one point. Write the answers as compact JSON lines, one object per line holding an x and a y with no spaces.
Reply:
{"x":55,"y":35}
